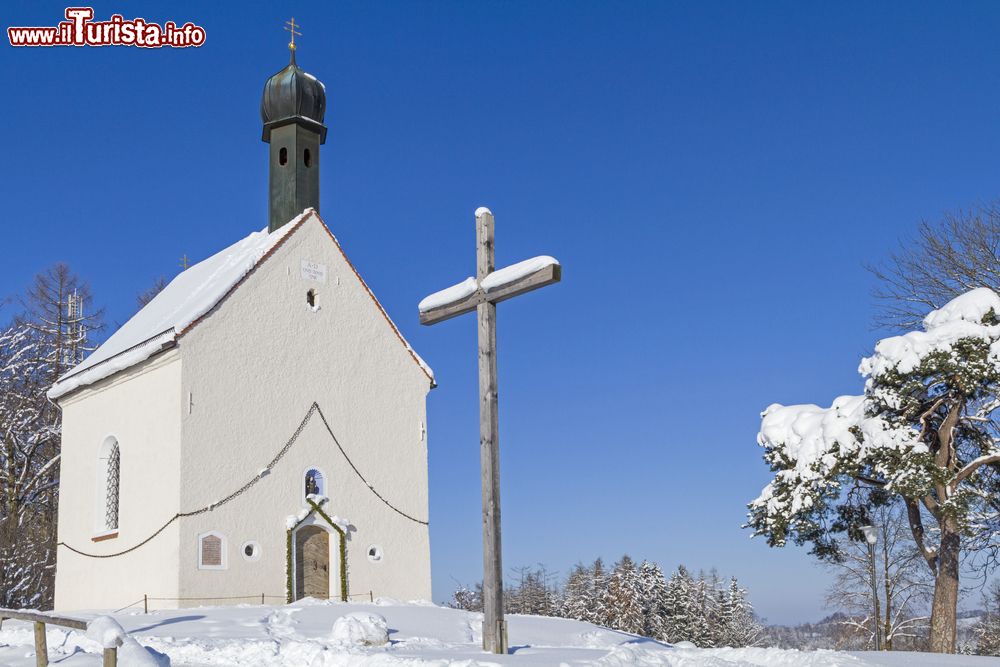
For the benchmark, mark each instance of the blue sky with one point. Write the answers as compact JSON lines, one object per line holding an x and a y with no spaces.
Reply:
{"x":712,"y":176}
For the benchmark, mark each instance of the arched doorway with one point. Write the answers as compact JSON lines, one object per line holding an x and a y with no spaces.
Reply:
{"x":317,"y":555}
{"x":312,"y":563}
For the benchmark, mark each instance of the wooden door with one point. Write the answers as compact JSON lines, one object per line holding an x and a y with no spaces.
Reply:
{"x":312,"y":563}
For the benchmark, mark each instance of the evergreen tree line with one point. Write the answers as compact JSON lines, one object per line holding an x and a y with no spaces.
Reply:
{"x":706,"y":610}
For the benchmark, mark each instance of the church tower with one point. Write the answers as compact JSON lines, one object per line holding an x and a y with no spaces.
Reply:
{"x":292,"y":109}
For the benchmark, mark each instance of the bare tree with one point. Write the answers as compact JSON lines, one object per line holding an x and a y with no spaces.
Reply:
{"x":59,"y":310}
{"x":534,"y":592}
{"x":902,"y":582}
{"x":145,"y":297}
{"x":959,"y":253}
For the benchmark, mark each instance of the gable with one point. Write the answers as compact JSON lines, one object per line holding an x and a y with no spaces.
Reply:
{"x":190,"y":298}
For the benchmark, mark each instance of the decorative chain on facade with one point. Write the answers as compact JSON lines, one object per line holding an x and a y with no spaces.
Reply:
{"x":313,"y":409}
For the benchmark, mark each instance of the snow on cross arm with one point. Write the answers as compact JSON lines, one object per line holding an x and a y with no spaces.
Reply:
{"x":449,"y":295}
{"x":514,"y":272}
{"x":496,"y":280}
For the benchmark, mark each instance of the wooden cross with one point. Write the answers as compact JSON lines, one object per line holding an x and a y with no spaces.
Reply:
{"x":184,"y":263}
{"x":290,"y":26}
{"x":482,"y":294}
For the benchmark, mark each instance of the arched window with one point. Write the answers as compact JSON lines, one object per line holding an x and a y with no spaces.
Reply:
{"x":283,"y":157}
{"x":314,"y":483}
{"x":311,"y":298}
{"x":307,"y":158}
{"x":109,"y":465}
{"x":111,"y":497}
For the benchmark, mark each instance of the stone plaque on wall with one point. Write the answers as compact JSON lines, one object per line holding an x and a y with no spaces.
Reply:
{"x":313,"y":271}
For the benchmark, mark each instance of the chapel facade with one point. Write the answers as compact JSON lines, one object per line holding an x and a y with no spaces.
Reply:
{"x":257,"y":429}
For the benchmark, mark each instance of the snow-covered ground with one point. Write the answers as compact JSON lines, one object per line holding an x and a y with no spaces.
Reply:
{"x":323,"y":634}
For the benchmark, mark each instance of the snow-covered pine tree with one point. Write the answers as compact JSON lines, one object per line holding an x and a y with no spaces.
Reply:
{"x":727,"y":604}
{"x":924,"y":431}
{"x":653,"y":596}
{"x":622,"y":601}
{"x":702,"y":604}
{"x":578,"y":594}
{"x":678,"y":616}
{"x":739,"y":625}
{"x":721,"y":613}
{"x":599,"y":579}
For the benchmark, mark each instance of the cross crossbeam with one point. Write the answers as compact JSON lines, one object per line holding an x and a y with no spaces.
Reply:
{"x":468,"y":295}
{"x":482,"y":294}
{"x":291,"y":26}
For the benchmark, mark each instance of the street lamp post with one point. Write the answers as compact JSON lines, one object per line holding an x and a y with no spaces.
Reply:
{"x":871,"y":537}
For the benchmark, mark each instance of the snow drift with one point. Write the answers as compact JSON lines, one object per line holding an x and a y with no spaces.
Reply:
{"x":312,"y":633}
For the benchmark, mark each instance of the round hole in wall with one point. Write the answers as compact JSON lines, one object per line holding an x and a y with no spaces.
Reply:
{"x":250,"y":551}
{"x":374,"y":553}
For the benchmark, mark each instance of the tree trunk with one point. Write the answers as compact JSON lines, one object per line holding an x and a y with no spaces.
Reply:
{"x":945,"y":604}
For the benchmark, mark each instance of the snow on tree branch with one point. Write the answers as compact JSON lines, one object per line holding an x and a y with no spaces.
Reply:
{"x":925,"y":431}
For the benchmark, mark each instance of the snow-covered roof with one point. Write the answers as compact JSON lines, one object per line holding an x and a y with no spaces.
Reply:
{"x":188,"y":298}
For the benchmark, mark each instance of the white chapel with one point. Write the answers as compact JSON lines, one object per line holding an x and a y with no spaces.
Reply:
{"x":258,"y":428}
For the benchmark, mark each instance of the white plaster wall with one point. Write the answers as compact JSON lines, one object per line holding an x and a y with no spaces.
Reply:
{"x":253,"y":368}
{"x":141,"y":408}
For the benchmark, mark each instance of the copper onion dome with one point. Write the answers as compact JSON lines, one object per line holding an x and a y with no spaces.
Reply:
{"x":293,"y":96}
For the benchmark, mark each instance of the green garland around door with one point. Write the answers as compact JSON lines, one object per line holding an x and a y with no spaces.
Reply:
{"x":289,"y":566}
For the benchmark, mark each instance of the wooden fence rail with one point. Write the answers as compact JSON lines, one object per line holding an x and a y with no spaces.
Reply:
{"x":41,"y":620}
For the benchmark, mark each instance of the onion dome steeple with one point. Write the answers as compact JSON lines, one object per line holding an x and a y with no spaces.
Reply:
{"x":292,"y":108}
{"x":293,"y":95}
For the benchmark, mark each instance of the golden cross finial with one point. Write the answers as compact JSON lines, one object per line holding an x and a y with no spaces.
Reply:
{"x":291,"y":26}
